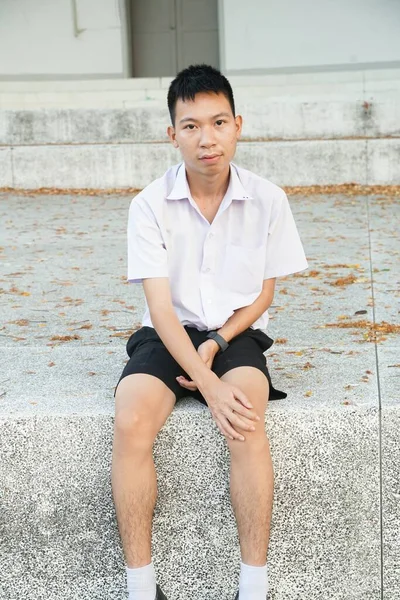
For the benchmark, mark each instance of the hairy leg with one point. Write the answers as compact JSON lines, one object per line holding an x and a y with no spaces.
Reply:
{"x":252,"y":476}
{"x":143,"y":404}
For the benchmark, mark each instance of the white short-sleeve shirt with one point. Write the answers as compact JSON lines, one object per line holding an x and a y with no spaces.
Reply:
{"x":216,"y":268}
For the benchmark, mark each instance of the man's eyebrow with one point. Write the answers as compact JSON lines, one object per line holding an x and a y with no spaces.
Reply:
{"x":222,"y":114}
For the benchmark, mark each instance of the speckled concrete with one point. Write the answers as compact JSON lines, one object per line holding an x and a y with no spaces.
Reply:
{"x":389,"y":376}
{"x":63,"y":272}
{"x":326,"y":512}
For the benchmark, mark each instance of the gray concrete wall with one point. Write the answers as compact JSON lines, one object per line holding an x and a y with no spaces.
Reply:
{"x":104,"y":166}
{"x":62,"y":38}
{"x":262,"y":121}
{"x":282,"y":34}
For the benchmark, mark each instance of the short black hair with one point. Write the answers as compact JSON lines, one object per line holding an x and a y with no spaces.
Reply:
{"x":196,"y":79}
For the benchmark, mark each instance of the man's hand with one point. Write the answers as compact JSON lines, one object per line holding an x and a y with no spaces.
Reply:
{"x":230,"y":408}
{"x":207,"y":350}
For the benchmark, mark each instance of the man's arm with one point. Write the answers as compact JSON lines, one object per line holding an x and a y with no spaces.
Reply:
{"x":229,"y":406}
{"x":172,"y":332}
{"x":247,"y":315}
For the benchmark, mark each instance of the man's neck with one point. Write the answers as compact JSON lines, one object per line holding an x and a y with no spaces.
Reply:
{"x":209,"y":189}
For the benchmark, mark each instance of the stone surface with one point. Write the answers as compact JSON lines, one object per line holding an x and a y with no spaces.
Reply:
{"x":389,"y":376}
{"x":6,"y":174}
{"x":135,"y":165}
{"x":63,"y":272}
{"x":271,"y":119}
{"x":78,"y":379}
{"x":383,"y":162}
{"x":76,"y":265}
{"x":306,"y":162}
{"x":92,"y":166}
{"x":58,"y":511}
{"x":322,"y":128}
{"x":385,"y":255}
{"x":291,"y":163}
{"x":360,"y":85}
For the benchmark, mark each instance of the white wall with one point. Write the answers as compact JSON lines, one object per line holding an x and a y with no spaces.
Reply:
{"x":268,"y":34}
{"x":61,"y":38}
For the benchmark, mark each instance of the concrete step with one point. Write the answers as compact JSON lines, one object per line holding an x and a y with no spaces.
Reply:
{"x":334,"y":439}
{"x":123,"y":93}
{"x":117,"y":166}
{"x":263,"y":120}
{"x":309,"y":129}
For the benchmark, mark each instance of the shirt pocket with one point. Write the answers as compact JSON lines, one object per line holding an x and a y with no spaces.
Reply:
{"x":243,"y":269}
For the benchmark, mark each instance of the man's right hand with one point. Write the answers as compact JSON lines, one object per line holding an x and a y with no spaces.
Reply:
{"x":230,"y":408}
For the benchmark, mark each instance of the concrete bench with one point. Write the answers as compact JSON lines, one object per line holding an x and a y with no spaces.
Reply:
{"x":334,"y":439}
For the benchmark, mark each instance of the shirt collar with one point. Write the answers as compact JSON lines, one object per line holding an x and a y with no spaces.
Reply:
{"x":235,"y":190}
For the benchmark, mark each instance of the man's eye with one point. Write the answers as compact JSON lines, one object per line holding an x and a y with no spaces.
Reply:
{"x":190,"y":126}
{"x":220,"y":121}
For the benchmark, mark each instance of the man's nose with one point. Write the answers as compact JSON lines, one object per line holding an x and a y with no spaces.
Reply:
{"x":207,"y":138}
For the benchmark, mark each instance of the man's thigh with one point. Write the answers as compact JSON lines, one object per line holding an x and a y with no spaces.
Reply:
{"x":148,"y":355}
{"x":243,"y":351}
{"x":142,"y":402}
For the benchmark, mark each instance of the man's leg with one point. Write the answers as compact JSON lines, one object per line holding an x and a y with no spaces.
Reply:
{"x":252,"y":476}
{"x":142,"y":405}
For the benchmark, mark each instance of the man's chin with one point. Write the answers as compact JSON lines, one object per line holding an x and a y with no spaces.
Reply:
{"x":217,"y":167}
{"x":213,"y":169}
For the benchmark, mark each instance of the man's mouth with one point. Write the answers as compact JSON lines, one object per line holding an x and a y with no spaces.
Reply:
{"x":210,"y":157}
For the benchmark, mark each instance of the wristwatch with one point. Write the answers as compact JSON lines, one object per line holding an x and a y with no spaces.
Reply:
{"x":223,"y":344}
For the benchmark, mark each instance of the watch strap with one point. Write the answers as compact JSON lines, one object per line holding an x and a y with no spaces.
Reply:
{"x":223,"y":344}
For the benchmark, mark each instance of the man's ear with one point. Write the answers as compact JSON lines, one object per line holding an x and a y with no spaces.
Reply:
{"x":238,"y":123}
{"x":172,"y":136}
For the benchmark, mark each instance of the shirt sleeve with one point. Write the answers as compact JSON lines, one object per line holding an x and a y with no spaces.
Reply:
{"x":147,"y":255}
{"x":285,"y":253}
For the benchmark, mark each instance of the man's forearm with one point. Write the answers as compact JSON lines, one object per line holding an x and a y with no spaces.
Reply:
{"x":180,"y":346}
{"x":245,"y":316}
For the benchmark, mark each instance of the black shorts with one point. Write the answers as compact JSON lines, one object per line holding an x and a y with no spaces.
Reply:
{"x":147,"y":354}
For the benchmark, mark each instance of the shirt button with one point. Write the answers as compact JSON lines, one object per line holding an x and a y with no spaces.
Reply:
{"x":210,"y":235}
{"x":207,"y":270}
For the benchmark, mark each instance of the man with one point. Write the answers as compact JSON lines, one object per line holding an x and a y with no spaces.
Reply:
{"x":208,"y":240}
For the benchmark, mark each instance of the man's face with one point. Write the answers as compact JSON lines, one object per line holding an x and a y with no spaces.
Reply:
{"x":206,"y":132}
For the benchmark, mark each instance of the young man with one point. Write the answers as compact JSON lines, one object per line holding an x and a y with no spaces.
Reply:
{"x":208,"y":240}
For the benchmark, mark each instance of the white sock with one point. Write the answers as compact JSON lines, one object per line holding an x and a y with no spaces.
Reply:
{"x":141,"y":582}
{"x":253,"y":582}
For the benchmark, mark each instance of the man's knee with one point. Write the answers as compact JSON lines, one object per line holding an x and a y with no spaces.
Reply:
{"x":142,"y":405}
{"x":134,"y":423}
{"x":255,"y":442}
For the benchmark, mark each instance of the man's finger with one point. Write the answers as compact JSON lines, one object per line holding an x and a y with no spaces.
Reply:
{"x":190,"y":385}
{"x":230,"y":431}
{"x":240,"y":422}
{"x":241,"y":396}
{"x":245,"y":412}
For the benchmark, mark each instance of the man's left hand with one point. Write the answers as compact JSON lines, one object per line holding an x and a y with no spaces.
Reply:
{"x":207,"y":350}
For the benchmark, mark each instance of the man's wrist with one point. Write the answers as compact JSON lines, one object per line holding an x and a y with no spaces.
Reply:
{"x":205,"y":380}
{"x":215,"y":345}
{"x":220,"y":341}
